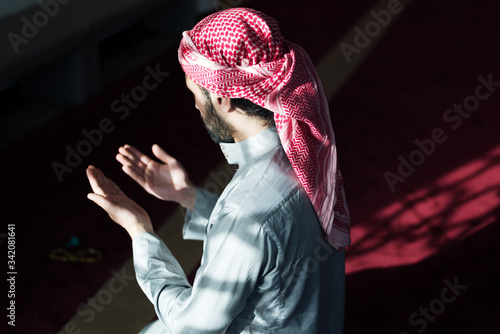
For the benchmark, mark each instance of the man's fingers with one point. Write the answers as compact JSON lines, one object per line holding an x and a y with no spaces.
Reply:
{"x":131,"y":165}
{"x":104,"y":183}
{"x":139,"y":167}
{"x":94,"y":180}
{"x":135,"y":155}
{"x":162,"y":155}
{"x":101,"y":201}
{"x":127,"y":159}
{"x":115,"y":187}
{"x":99,"y":182}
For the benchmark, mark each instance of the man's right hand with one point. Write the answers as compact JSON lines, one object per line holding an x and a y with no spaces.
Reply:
{"x":167,"y":181}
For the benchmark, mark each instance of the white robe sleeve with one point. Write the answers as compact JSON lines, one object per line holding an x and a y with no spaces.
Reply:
{"x":237,"y":254}
{"x":196,"y":221}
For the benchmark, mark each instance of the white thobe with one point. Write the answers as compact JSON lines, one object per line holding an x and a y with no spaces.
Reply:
{"x":266,"y":267}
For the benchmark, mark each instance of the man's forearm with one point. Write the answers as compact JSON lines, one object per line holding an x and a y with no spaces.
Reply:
{"x":156,"y":267}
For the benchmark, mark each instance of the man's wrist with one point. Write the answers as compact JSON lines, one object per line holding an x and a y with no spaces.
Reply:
{"x":139,"y":229}
{"x":189,"y":197}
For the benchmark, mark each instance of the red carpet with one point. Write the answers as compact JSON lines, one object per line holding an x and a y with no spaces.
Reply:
{"x":446,"y":212}
{"x":440,"y":225}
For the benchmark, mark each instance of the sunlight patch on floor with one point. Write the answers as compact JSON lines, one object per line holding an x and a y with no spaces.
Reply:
{"x":457,"y":205}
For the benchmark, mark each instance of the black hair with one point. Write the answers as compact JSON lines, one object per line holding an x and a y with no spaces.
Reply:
{"x":249,"y":108}
{"x":254,"y":110}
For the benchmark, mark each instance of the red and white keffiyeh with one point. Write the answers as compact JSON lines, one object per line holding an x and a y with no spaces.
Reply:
{"x":240,"y":53}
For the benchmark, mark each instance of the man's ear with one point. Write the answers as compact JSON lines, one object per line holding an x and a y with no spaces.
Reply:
{"x":223,"y":103}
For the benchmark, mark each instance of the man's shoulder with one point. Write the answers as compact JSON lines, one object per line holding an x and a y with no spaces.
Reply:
{"x":280,"y":209}
{"x":264,"y":189}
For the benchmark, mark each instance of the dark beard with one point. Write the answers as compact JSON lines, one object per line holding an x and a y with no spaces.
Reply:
{"x":217,"y":128}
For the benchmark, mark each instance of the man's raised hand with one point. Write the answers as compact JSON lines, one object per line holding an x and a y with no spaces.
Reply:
{"x":167,"y":181}
{"x":120,"y":208}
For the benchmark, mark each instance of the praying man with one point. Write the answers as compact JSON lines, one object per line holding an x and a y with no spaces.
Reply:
{"x":274,"y":240}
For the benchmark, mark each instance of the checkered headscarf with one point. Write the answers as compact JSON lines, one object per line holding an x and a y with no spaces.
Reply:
{"x":240,"y":53}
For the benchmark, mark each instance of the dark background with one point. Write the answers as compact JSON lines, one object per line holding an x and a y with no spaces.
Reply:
{"x":440,"y":225}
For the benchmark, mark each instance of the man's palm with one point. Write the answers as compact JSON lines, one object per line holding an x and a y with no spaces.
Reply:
{"x":120,"y":208}
{"x":167,"y":180}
